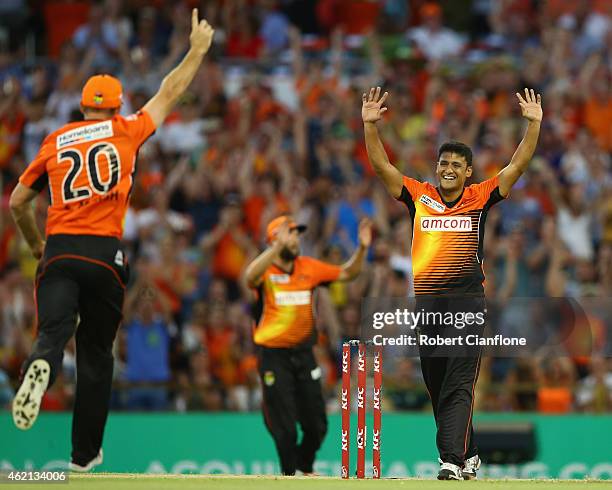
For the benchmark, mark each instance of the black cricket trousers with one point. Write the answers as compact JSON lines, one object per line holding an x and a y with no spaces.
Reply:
{"x":451,"y":382}
{"x":80,"y":287}
{"x":450,"y":375}
{"x":292,"y":395}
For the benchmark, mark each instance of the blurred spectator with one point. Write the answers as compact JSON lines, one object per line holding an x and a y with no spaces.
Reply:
{"x":575,"y":223}
{"x":147,"y":345}
{"x":522,"y":383}
{"x":243,"y":40}
{"x":274,"y":28}
{"x":13,"y":18}
{"x":37,"y":127}
{"x":102,"y":33}
{"x":590,"y":27}
{"x":594,"y":392}
{"x":433,"y":39}
{"x":554,"y":395}
{"x":12,"y":121}
{"x":271,"y":125}
{"x":403,"y":389}
{"x":229,"y":245}
{"x":6,"y":391}
{"x":185,"y":133}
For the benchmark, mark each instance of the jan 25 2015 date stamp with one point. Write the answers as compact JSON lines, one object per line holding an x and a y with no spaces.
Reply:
{"x":31,"y":476}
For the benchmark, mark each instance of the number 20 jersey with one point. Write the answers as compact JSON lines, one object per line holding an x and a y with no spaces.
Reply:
{"x":89,"y":167}
{"x":447,"y":238}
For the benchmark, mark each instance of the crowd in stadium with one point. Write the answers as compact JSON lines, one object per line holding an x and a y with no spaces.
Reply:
{"x":272,"y":125}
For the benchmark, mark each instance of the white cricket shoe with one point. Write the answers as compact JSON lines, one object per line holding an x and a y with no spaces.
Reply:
{"x":26,"y":404}
{"x":84,"y":469}
{"x":450,"y":471}
{"x":470,"y":467}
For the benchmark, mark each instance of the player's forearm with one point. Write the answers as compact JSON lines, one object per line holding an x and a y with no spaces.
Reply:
{"x":177,"y":81}
{"x":520,"y":160}
{"x":353,"y":266}
{"x":23,"y":214}
{"x":379,"y":160}
{"x":526,"y":148}
{"x":256,"y":269}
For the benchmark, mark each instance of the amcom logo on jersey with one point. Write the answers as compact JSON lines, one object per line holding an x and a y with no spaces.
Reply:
{"x":446,"y":223}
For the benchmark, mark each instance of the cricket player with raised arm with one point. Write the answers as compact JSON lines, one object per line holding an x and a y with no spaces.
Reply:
{"x":448,"y":222}
{"x":89,"y":167}
{"x":285,"y":332}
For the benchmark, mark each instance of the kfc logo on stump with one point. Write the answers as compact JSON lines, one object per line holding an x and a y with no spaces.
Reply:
{"x":345,"y":358}
{"x":345,"y":400}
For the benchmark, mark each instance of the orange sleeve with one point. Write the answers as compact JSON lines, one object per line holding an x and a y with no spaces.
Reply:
{"x":488,"y":191}
{"x":323,"y":272}
{"x":413,"y":186}
{"x":139,"y":126}
{"x":35,"y":175}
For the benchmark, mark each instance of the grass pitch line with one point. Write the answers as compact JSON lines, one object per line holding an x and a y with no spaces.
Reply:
{"x":135,"y":481}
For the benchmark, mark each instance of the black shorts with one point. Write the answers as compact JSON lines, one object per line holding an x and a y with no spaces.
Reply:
{"x":80,"y":279}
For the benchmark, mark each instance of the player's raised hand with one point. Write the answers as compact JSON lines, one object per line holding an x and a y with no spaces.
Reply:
{"x":531,"y":105}
{"x":201,"y":33}
{"x":372,"y":107}
{"x":365,"y":232}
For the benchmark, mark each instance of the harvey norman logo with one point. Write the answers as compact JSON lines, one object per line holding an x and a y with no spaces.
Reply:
{"x":446,"y":223}
{"x":91,"y":132}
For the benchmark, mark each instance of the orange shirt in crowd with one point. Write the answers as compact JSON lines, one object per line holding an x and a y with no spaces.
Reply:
{"x":10,"y":137}
{"x":598,"y":118}
{"x":554,"y":400}
{"x":556,"y":8}
{"x":253,"y":208}
{"x":315,"y":91}
{"x":220,"y":345}
{"x":355,"y":16}
{"x":229,"y":258}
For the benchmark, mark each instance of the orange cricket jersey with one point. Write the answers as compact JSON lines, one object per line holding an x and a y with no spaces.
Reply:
{"x":447,"y":238}
{"x":286,"y":316}
{"x":89,"y":167}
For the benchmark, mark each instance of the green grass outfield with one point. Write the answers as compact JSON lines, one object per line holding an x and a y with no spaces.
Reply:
{"x":124,"y":481}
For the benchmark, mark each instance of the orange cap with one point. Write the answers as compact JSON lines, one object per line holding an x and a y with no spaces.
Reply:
{"x":102,"y":92}
{"x":276,"y":223}
{"x":430,"y":9}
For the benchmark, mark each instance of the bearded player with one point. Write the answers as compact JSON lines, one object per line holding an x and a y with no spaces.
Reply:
{"x":89,"y":168}
{"x":448,"y":222}
{"x":285,"y":333}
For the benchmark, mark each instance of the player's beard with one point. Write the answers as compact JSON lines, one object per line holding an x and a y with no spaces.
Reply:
{"x":287,"y":254}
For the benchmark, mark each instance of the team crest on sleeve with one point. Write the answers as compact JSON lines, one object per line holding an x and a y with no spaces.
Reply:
{"x":268,"y":378}
{"x":432,"y":203}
